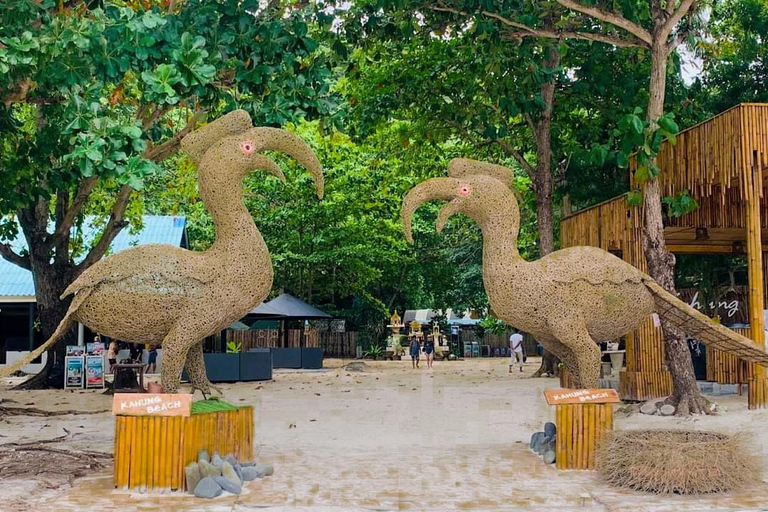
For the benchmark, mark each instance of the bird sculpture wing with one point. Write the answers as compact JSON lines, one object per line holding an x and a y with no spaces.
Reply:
{"x":175,"y":267}
{"x":702,"y":328}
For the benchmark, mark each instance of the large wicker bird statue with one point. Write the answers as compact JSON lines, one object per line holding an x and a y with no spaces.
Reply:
{"x":571,"y":299}
{"x":176,"y":297}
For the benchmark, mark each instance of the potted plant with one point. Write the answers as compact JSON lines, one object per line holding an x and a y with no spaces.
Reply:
{"x":374,"y":352}
{"x":397,"y":347}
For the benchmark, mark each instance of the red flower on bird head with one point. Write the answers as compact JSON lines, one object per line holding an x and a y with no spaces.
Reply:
{"x":247,"y":147}
{"x":465,"y":189}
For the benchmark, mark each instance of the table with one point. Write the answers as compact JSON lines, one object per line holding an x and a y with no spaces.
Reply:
{"x":139,"y":367}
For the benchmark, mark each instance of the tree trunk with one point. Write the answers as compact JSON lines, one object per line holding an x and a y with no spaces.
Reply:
{"x":544,"y":183}
{"x":661,"y":264}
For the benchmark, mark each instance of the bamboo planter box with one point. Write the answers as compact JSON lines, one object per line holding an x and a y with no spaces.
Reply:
{"x":582,"y":418}
{"x":151,"y":452}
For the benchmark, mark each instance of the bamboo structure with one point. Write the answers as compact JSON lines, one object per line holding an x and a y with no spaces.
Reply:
{"x":151,"y":452}
{"x":580,"y":428}
{"x":720,"y":162}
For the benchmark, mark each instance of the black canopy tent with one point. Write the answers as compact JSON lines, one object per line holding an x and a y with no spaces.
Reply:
{"x":288,"y":308}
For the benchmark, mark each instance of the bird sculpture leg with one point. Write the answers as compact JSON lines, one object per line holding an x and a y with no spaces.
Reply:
{"x":195,"y":367}
{"x":175,"y":348}
{"x":584,"y":352}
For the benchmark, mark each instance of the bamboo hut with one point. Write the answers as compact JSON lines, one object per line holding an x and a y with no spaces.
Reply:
{"x":721,"y":163}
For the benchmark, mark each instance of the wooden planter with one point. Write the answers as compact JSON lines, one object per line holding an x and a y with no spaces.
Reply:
{"x":151,"y":452}
{"x":580,"y":427}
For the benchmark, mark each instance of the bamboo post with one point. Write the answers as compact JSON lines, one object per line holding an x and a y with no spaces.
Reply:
{"x":757,"y":395}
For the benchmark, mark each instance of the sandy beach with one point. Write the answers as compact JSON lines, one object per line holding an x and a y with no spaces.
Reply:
{"x":389,"y":438}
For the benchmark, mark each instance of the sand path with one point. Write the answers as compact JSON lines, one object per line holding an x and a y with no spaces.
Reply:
{"x":390,"y":438}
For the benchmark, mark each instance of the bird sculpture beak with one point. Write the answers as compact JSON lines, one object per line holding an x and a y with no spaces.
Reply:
{"x":276,"y":139}
{"x":264,"y":163}
{"x":436,"y":188}
{"x":446,"y":212}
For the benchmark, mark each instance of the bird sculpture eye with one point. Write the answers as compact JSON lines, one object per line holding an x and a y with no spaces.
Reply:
{"x":465,"y":189}
{"x":247,"y":147}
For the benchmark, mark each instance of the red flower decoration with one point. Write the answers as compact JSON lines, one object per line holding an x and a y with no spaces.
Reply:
{"x":465,"y":189}
{"x":247,"y":147}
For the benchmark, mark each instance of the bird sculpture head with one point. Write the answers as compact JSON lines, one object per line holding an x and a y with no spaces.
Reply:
{"x":477,"y":189}
{"x":230,"y":147}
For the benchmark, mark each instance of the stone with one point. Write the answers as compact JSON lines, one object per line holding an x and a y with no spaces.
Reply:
{"x":268,"y":469}
{"x":250,"y":473}
{"x":357,"y":366}
{"x":667,"y":410}
{"x":203,"y":455}
{"x":549,"y":456}
{"x":550,"y":429}
{"x":239,"y":470}
{"x":208,"y":469}
{"x":228,"y":485}
{"x":648,"y":408}
{"x":536,"y":440}
{"x":228,"y":472}
{"x":208,"y":488}
{"x":193,"y":476}
{"x":541,"y":448}
{"x":217,"y":460}
{"x":231,"y":459}
{"x":546,"y":439}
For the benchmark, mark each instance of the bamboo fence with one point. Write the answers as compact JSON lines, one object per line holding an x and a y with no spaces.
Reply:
{"x":151,"y":452}
{"x":719,"y":162}
{"x":580,"y":428}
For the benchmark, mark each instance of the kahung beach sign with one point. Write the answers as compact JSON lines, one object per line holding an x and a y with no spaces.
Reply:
{"x":581,"y":396}
{"x":149,"y":404}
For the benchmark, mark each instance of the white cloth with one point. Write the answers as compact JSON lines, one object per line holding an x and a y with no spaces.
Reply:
{"x":516,"y":342}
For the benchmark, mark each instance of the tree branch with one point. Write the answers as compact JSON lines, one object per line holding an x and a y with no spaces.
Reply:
{"x":672,"y":21}
{"x":526,"y":31}
{"x":676,"y":41}
{"x":171,"y":146}
{"x":113,"y":227}
{"x":63,"y":226}
{"x":7,"y":252}
{"x":514,"y":153}
{"x":611,"y":17}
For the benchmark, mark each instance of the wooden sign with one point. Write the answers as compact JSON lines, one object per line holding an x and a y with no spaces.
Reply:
{"x":581,"y":396}
{"x":151,"y":404}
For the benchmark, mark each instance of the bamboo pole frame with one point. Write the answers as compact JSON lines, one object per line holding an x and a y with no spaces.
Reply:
{"x":151,"y":452}
{"x":719,"y":162}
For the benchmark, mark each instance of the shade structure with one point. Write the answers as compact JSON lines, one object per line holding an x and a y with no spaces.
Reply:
{"x":264,"y":312}
{"x":289,"y":307}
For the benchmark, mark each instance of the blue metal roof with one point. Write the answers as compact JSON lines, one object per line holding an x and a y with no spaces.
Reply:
{"x":157,"y":229}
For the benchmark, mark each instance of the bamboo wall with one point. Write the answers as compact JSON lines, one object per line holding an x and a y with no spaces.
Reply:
{"x":714,"y":162}
{"x":151,"y":452}
{"x":580,"y":428}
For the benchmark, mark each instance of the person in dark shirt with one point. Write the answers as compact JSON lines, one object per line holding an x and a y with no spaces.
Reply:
{"x":414,"y":350}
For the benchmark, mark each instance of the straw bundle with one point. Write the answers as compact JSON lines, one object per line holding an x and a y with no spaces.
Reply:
{"x":677,"y":461}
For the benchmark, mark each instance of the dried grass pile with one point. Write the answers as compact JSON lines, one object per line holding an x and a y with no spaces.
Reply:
{"x":677,"y":461}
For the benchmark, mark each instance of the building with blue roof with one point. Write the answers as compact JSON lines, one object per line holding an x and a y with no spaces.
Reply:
{"x":17,"y":289}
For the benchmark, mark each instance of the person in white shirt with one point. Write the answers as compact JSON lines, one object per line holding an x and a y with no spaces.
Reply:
{"x":516,"y":345}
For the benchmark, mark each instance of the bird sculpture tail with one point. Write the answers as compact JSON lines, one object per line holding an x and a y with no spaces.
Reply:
{"x":64,"y":326}
{"x":703,"y":328}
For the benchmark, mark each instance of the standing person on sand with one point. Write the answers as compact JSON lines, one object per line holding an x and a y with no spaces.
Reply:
{"x":516,"y":345}
{"x":152,"y":362}
{"x":429,"y":349}
{"x":112,"y":354}
{"x":414,"y":350}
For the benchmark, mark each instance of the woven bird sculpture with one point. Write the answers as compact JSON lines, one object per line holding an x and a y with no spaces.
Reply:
{"x":571,"y":299}
{"x":176,"y":297}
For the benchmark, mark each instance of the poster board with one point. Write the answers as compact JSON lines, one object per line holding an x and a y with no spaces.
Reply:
{"x":94,"y":372}
{"x":152,"y":404}
{"x":96,"y":348}
{"x":74,"y":372}
{"x":581,"y":396}
{"x":75,"y":350}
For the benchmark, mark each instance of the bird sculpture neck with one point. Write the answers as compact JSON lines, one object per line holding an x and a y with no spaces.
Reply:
{"x":235,"y":230}
{"x":500,"y":226}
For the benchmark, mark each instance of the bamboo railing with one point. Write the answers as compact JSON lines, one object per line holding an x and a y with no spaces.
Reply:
{"x":151,"y":452}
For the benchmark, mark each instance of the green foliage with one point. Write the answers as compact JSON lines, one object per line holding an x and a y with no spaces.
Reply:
{"x":493,"y":325}
{"x":643,"y":140}
{"x":373,"y":351}
{"x":681,"y":204}
{"x":234,"y":348}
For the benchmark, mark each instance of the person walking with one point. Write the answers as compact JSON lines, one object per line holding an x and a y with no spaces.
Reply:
{"x":429,"y":349}
{"x":516,"y":346}
{"x":414,"y":350}
{"x":152,"y":361}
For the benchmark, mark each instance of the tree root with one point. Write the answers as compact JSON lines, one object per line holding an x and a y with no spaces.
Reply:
{"x":34,"y":411}
{"x":687,"y":404}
